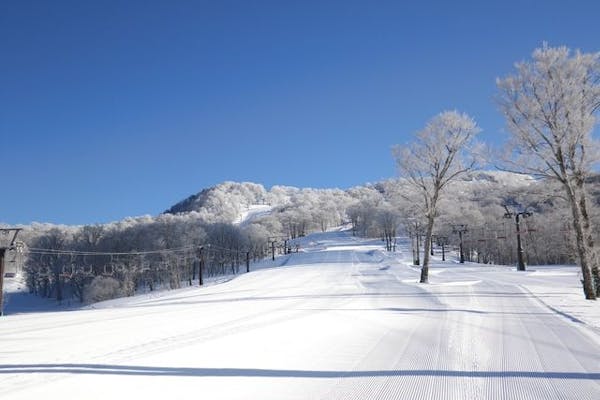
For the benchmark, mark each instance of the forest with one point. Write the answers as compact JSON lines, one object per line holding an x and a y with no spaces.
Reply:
{"x":136,"y":255}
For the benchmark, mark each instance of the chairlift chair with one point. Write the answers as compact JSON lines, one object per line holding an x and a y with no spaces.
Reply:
{"x":482,"y":238}
{"x":109,"y":270}
{"x":501,"y":234}
{"x":86,"y":270}
{"x":162,"y":266}
{"x":530,"y":225}
{"x":145,"y":266}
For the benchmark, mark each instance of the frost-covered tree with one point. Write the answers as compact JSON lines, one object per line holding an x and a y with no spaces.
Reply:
{"x":363,"y":209}
{"x":388,"y":219}
{"x":257,"y":237}
{"x":440,"y":153}
{"x":45,"y":269}
{"x":551,"y":104}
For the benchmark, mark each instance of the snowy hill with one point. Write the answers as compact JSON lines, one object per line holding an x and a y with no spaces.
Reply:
{"x":231,"y":201}
{"x":224,"y":202}
{"x":341,"y":319}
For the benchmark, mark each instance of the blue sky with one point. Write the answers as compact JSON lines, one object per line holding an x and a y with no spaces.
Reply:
{"x":111,"y":109}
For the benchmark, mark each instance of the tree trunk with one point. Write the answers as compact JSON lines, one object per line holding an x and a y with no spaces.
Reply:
{"x":589,"y":238}
{"x":581,"y":245}
{"x":427,"y":248}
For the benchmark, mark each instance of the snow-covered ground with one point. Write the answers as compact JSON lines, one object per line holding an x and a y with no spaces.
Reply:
{"x":340,"y":320}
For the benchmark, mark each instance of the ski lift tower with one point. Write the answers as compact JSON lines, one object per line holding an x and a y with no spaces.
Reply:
{"x":460,"y":229}
{"x":274,"y":240}
{"x":8,"y":237}
{"x":525,"y":214}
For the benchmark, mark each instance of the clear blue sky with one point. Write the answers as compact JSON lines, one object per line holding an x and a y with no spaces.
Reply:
{"x":111,"y":109}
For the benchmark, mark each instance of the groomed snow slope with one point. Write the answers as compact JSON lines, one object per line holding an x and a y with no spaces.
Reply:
{"x":343,"y":321}
{"x":251,"y":212}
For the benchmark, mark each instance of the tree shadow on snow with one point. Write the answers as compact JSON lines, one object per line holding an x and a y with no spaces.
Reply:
{"x":411,"y":310}
{"x":134,"y":370}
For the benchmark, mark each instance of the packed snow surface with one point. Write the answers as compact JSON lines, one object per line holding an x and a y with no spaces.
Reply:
{"x":340,"y":320}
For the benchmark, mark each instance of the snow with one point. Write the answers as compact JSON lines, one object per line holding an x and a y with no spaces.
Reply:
{"x":251,"y":212}
{"x":343,"y":320}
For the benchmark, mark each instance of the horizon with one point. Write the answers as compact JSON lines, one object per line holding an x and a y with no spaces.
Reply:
{"x":467,"y":177}
{"x":117,"y":110}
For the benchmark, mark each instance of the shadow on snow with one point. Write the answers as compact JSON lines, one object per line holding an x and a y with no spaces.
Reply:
{"x":102,"y":369}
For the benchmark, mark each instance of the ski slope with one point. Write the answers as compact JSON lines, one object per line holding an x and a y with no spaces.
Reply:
{"x":340,"y":320}
{"x":252,"y":212}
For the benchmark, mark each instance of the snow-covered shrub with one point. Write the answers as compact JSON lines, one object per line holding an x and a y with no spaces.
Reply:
{"x":102,"y":288}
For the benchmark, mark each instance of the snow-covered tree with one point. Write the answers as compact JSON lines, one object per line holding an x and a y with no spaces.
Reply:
{"x":363,"y":209}
{"x":388,"y":219}
{"x":440,"y":153}
{"x":45,"y":270}
{"x":551,"y":104}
